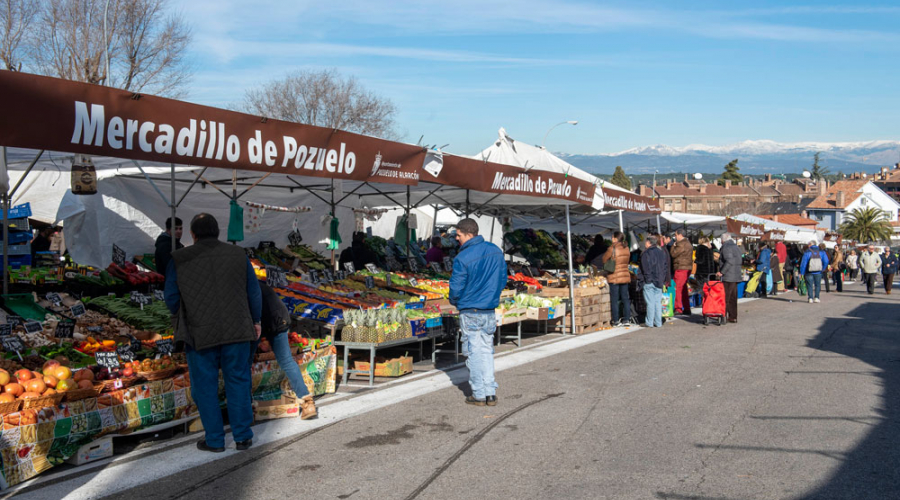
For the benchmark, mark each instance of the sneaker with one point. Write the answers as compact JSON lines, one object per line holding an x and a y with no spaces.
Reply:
{"x":307,"y":408}
{"x":810,"y":301}
{"x":816,"y":301}
{"x":202,"y":446}
{"x":470,"y":400}
{"x":243,"y":445}
{"x":490,"y":400}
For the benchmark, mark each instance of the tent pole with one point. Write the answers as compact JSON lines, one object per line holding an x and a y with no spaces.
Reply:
{"x":658,"y":227}
{"x":571,"y":271}
{"x":173,"y":205}
{"x":621,"y":225}
{"x":5,"y":223}
{"x":467,"y":203}
{"x":333,"y":215}
{"x":434,"y":222}
{"x":408,"y":229}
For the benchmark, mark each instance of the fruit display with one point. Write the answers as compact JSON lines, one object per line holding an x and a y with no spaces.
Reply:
{"x":24,"y":384}
{"x":376,"y":325}
{"x":538,"y":247}
{"x":308,"y":258}
{"x":130,"y":274}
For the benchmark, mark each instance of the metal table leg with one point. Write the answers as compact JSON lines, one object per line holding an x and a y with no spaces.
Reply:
{"x":346,"y":366}
{"x":371,"y":366}
{"x":520,"y":334}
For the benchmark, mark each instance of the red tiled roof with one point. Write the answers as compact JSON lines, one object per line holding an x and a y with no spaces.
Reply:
{"x":792,"y":219}
{"x":766,"y":190}
{"x":790,"y":189}
{"x":851,"y":190}
{"x":680,"y":189}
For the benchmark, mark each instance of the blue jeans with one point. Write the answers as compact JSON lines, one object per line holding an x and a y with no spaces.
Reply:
{"x":653,"y":297}
{"x":281,"y":346}
{"x":618,"y":297}
{"x":478,"y":345}
{"x":233,"y":360}
{"x":813,"y":285}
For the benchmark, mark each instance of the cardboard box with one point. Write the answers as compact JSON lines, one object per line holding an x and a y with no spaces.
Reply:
{"x":537,"y":313}
{"x":388,"y":367}
{"x":283,"y":407}
{"x":93,"y":451}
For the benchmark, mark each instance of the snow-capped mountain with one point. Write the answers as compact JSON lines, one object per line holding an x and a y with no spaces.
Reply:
{"x":755,"y":156}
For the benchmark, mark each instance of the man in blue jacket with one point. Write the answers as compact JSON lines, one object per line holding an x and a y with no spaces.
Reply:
{"x":654,"y":277}
{"x":762,"y":265}
{"x":812,"y":266}
{"x":479,"y":275}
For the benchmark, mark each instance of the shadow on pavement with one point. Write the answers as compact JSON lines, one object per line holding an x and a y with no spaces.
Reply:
{"x":870,"y":335}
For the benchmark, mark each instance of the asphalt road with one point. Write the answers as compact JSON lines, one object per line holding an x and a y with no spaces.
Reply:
{"x":795,"y":401}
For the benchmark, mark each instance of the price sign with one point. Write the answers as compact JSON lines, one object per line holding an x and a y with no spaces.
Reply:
{"x":139,"y":298}
{"x":12,"y":343}
{"x":389,"y":279}
{"x":370,"y":282}
{"x":276,"y":277}
{"x":413,"y":264}
{"x":435,"y":267}
{"x":329,"y":277}
{"x":448,"y":264}
{"x":313,"y":276}
{"x":54,"y":299}
{"x":372,"y":268}
{"x":107,"y":359}
{"x":413,"y":282}
{"x":266,"y":244}
{"x":118,"y":255}
{"x":14,"y":320}
{"x":295,"y":238}
{"x":65,"y":330}
{"x":136,"y":345}
{"x":125,"y":352}
{"x":77,"y":310}
{"x":159,"y":295}
{"x":5,"y":330}
{"x":33,"y":326}
{"x":349,"y":267}
{"x":165,"y":346}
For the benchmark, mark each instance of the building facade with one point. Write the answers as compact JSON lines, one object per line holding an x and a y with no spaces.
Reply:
{"x":845,"y":196}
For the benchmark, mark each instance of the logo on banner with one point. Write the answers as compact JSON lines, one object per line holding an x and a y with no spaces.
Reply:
{"x":583,"y":195}
{"x":380,"y":164}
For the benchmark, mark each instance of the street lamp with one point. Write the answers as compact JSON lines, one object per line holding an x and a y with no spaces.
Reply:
{"x":570,"y":122}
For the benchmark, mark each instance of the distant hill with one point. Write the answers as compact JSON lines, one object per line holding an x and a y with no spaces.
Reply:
{"x":755,"y":157}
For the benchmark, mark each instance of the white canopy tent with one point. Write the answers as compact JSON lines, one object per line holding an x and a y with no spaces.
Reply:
{"x":793,"y":234}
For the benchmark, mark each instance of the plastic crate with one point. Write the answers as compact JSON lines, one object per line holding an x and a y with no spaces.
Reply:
{"x":433,"y":322}
{"x":18,"y":237}
{"x":21,"y":249}
{"x":17,"y":261}
{"x":20,"y":211}
{"x":23,"y":304}
{"x":742,"y":286}
{"x":416,"y":305}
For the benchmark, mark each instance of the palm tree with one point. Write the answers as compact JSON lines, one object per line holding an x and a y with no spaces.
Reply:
{"x":867,"y":225}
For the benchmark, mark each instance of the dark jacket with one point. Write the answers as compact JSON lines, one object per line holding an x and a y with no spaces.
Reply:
{"x":774,"y":265}
{"x":706,"y":263}
{"x":479,"y":275}
{"x":213,"y":291}
{"x":275,"y":316}
{"x":655,"y":267}
{"x":682,"y":255}
{"x":595,"y":254}
{"x":359,"y":254}
{"x":621,"y":275}
{"x":164,"y":252}
{"x":889,"y":263}
{"x":730,"y":262}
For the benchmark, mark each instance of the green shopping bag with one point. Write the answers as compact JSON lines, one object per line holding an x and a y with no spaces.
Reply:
{"x":802,"y":285}
{"x":668,"y":301}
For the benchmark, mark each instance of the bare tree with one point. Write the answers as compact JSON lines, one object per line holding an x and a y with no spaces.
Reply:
{"x":146,"y":47}
{"x":326,"y":99}
{"x":16,"y":20}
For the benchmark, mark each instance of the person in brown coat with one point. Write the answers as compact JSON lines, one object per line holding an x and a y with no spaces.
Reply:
{"x":837,"y":269}
{"x":619,"y":280}
{"x":775,"y":266}
{"x":682,"y":262}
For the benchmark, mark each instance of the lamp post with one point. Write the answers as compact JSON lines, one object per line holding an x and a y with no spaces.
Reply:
{"x":570,"y":122}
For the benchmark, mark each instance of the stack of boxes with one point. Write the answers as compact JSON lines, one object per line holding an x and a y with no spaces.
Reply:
{"x":20,"y":237}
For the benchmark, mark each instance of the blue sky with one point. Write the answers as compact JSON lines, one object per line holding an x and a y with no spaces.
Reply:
{"x":632,"y":73}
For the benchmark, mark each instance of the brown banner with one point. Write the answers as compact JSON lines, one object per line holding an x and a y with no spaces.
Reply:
{"x":59,"y":115}
{"x":478,"y":175}
{"x":630,"y":202}
{"x":742,"y":228}
{"x":774,"y":235}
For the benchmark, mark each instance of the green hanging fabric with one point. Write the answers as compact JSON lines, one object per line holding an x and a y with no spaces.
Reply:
{"x":334,"y":237}
{"x":235,"y":222}
{"x":412,"y":236}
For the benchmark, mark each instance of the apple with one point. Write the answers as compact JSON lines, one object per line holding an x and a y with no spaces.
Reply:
{"x":35,"y":385}
{"x":7,"y":398}
{"x":128,"y":372}
{"x":14,"y":389}
{"x":49,"y":364}
{"x":62,"y":372}
{"x":66,"y":385}
{"x":4,"y":377}
{"x":23,"y":375}
{"x":50,"y":380}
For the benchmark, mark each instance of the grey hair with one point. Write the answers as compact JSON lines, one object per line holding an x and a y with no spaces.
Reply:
{"x":654,"y":241}
{"x":726,"y":237}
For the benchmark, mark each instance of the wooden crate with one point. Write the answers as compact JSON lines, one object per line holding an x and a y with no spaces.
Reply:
{"x":564,"y":292}
{"x":584,"y":310}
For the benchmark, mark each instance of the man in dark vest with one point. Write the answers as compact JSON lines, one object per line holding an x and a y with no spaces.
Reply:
{"x":212,"y":291}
